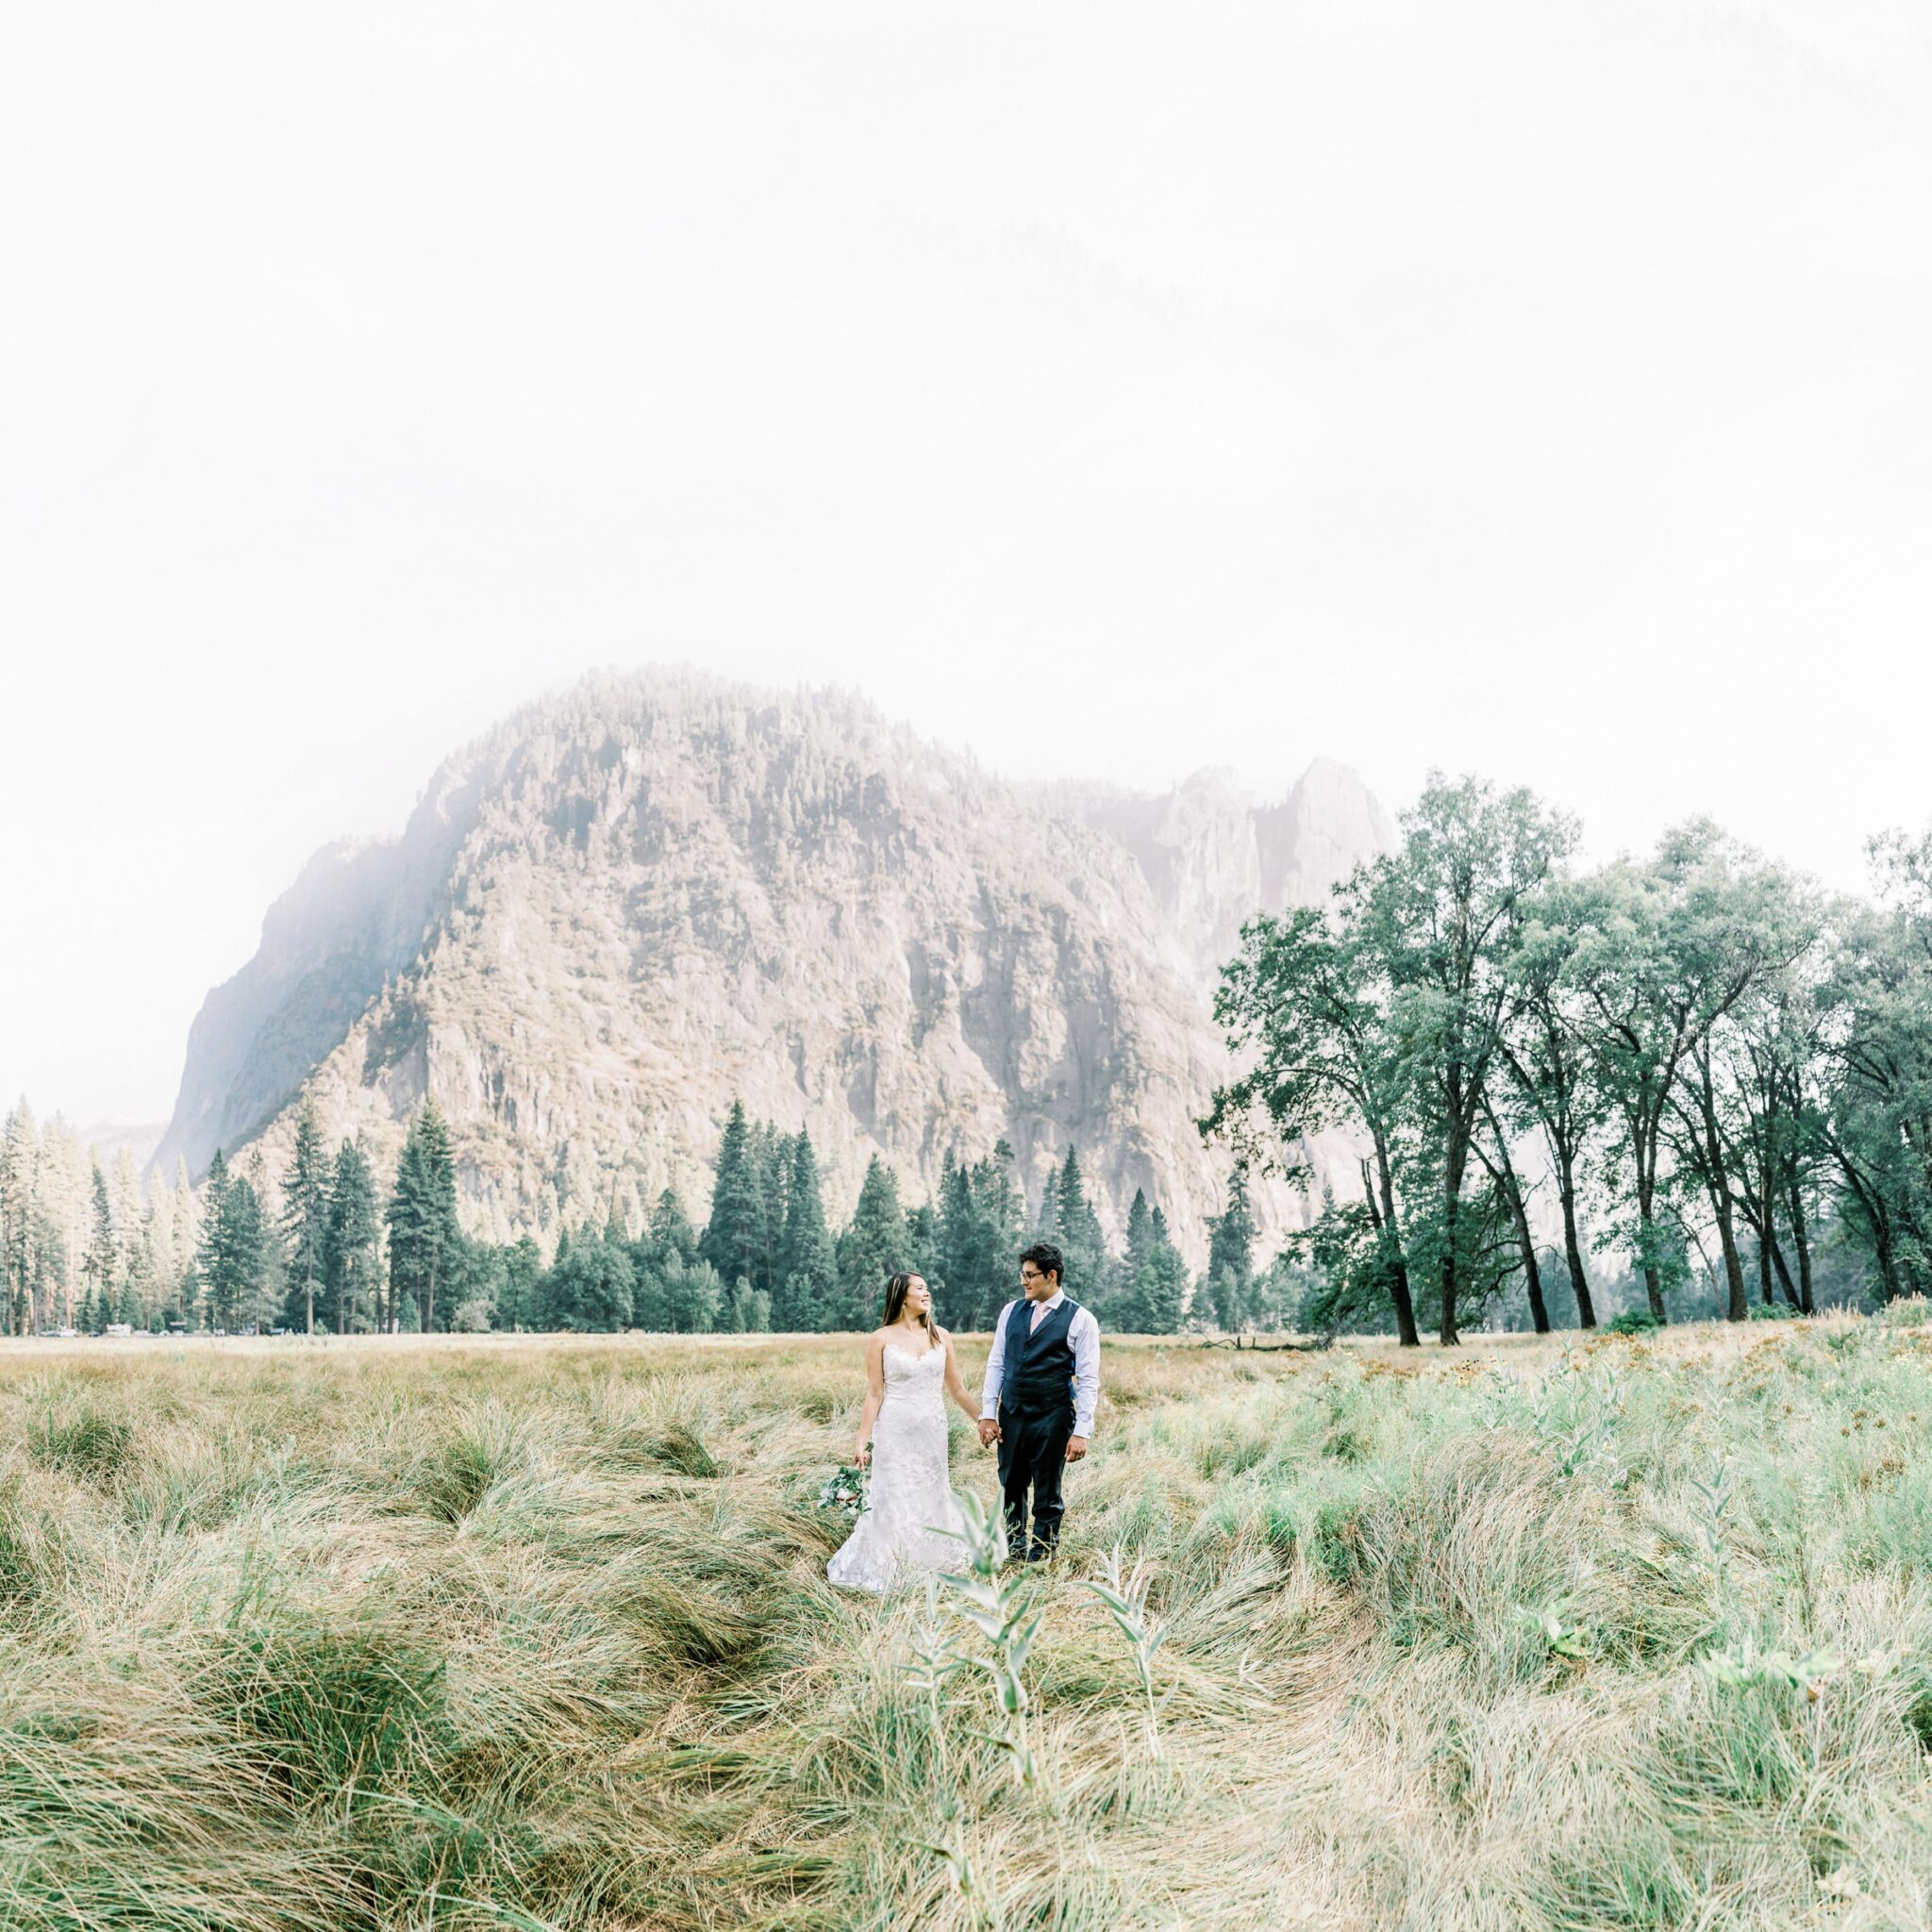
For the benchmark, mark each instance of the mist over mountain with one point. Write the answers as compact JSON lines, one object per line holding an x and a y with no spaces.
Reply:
{"x":627,"y":904}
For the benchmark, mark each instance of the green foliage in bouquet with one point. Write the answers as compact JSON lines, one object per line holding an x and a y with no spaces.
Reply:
{"x":844,"y":1493}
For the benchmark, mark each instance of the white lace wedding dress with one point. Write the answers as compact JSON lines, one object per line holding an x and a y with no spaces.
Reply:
{"x":903,"y":1530}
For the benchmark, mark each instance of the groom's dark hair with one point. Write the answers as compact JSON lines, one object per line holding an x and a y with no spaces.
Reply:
{"x":1046,"y":1258}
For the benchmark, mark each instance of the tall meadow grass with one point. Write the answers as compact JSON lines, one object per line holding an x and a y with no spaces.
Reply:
{"x":535,"y":1632}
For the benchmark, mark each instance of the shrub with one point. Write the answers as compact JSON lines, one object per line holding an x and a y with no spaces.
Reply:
{"x":1631,"y":1322}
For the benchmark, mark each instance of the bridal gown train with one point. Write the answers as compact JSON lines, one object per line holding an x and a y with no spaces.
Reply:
{"x":903,"y":1529}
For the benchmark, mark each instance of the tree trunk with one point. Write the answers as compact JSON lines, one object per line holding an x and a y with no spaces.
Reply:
{"x":1456,"y":1160}
{"x":1737,"y":1306}
{"x":1646,"y":1234}
{"x":1881,"y":1228}
{"x":1504,"y":1171}
{"x":1784,"y":1273}
{"x":1398,"y":1264}
{"x":1717,"y":1184}
{"x":1532,"y":1274}
{"x":1802,"y":1235}
{"x":1572,"y":1249}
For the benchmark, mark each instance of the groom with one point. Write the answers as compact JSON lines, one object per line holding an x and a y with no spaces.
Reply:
{"x":1042,"y":1380}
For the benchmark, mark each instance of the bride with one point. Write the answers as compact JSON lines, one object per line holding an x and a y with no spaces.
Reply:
{"x":902,"y":1438}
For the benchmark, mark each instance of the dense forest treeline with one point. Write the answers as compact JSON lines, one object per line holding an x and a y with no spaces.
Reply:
{"x":321,"y":1248}
{"x":1691,"y":1084}
{"x":1698,"y":1063}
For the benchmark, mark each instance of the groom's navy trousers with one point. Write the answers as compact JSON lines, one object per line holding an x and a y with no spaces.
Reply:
{"x":1036,"y":1423}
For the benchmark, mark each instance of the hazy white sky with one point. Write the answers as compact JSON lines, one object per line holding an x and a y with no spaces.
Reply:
{"x":1539,"y":388}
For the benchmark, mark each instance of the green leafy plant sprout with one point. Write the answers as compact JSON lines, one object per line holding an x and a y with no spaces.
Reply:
{"x":1126,"y":1597}
{"x":1577,"y":1412}
{"x":1562,"y":1637}
{"x":974,"y":1890}
{"x":1747,"y":1665}
{"x":934,"y":1660}
{"x":1719,"y":1496}
{"x":999,"y":1609}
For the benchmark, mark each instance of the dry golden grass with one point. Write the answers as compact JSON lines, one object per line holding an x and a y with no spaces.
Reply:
{"x":536,"y":1632}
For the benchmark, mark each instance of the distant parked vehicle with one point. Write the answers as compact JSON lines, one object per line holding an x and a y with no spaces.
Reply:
{"x":117,"y":1328}
{"x":63,"y":1334}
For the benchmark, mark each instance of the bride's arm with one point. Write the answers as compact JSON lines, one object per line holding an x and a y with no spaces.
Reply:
{"x":875,"y":1395}
{"x":956,"y":1388}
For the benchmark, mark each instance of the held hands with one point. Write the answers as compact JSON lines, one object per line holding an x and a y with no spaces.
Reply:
{"x":988,"y":1432}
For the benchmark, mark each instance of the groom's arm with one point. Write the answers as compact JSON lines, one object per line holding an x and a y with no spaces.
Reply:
{"x":1085,"y":1340}
{"x":990,"y":1388}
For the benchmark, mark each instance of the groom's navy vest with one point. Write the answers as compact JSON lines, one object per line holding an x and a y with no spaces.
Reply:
{"x":1037,"y":1376}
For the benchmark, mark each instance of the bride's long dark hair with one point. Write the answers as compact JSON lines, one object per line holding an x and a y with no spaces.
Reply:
{"x":895,"y":1303}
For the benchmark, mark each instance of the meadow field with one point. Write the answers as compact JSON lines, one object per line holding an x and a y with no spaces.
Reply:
{"x":535,"y":1632}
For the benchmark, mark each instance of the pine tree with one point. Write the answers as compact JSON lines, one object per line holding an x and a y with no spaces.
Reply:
{"x":1001,"y":1209}
{"x":807,"y":1269}
{"x":871,"y":1249}
{"x":589,"y":1288}
{"x":47,"y":1278}
{"x":738,"y":1237}
{"x":66,"y":1203}
{"x":440,"y":1175}
{"x":1089,"y":1270}
{"x":211,"y":1248}
{"x":1047,"y":1223}
{"x":1163,"y":1294}
{"x":421,"y":1215}
{"x":976,"y":1238}
{"x":1130,"y":1311}
{"x":186,"y":1243}
{"x":771,"y":1155}
{"x":305,"y":1220}
{"x":229,"y":1263}
{"x":605,"y":1302}
{"x":98,"y":1265}
{"x":244,"y":1252}
{"x":19,"y":1153}
{"x":131,"y":1221}
{"x":266,"y":1283}
{"x":1231,"y":1257}
{"x":671,"y":1230}
{"x":140,"y":1275}
{"x":922,"y":1245}
{"x":961,"y":1239}
{"x":349,"y":1265}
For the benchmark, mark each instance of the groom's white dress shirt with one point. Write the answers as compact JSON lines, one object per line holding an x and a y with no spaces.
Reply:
{"x":1083,"y":1337}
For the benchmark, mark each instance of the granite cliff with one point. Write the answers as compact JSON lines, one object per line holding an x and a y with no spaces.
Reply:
{"x":627,"y":904}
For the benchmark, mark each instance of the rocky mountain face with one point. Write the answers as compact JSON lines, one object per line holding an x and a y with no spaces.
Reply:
{"x":625,"y":905}
{"x":1213,"y":857}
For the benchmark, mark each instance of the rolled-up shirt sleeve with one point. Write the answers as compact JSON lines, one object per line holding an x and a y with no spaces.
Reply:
{"x":1085,"y":1336}
{"x":995,"y":1369}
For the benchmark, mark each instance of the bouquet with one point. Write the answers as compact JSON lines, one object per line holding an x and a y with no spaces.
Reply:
{"x":844,"y":1492}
